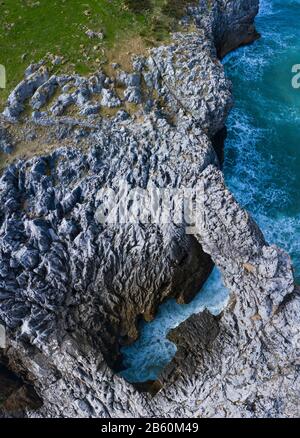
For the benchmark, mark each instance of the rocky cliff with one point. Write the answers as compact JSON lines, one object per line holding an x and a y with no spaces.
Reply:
{"x":72,"y":289}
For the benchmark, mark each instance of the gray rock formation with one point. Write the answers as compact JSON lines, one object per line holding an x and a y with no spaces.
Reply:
{"x":6,"y":145}
{"x":33,"y":80}
{"x":72,"y":289}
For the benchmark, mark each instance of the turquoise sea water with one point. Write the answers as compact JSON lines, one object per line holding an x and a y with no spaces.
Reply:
{"x":262,"y":168}
{"x":262,"y":157}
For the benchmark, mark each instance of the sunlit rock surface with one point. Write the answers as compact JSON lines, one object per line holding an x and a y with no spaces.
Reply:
{"x":72,"y":290}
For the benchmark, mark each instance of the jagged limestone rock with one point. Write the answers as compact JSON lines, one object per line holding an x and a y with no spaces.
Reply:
{"x":6,"y":145}
{"x":72,"y":289}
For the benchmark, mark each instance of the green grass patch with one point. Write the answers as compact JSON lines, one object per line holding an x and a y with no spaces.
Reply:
{"x":31,"y":30}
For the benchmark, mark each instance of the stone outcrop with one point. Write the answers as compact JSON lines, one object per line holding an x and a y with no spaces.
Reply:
{"x":72,"y":289}
{"x":233,"y":25}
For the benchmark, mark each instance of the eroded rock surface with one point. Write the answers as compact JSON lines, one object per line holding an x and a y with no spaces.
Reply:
{"x":72,"y":289}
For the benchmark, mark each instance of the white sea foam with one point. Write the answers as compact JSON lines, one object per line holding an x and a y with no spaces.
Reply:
{"x":265,"y":8}
{"x":285,"y":232}
{"x":260,"y":179}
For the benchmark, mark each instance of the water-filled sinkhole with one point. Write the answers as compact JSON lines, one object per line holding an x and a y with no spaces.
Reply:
{"x":145,"y":359}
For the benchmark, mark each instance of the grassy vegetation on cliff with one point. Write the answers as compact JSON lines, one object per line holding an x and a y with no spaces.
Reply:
{"x":34,"y":29}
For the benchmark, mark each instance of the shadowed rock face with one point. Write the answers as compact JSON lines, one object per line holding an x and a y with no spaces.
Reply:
{"x":233,"y":25}
{"x":15,"y":395}
{"x":72,"y":289}
{"x":8,"y":384}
